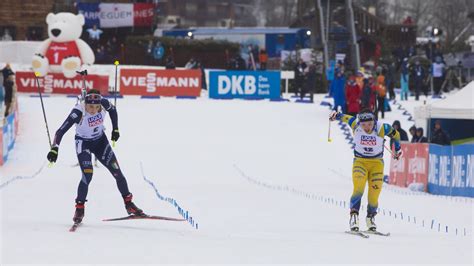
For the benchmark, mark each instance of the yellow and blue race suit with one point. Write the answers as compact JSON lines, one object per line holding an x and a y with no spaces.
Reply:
{"x":368,"y":162}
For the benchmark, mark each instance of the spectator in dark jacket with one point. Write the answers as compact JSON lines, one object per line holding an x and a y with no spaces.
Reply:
{"x":365,"y":101}
{"x":9,"y":84}
{"x":419,"y":74}
{"x":310,"y":83}
{"x":7,"y":71}
{"x":403,"y":134}
{"x":414,"y":138}
{"x":420,"y":137}
{"x":439,"y":136}
{"x":170,"y":63}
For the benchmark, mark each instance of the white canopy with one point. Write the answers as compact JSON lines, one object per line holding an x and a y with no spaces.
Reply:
{"x":457,"y":106}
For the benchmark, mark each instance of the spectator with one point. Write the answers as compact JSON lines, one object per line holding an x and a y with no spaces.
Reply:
{"x":438,"y":75}
{"x":390,"y":80}
{"x":398,"y":127}
{"x":412,"y":130}
{"x":439,"y":136}
{"x":2,"y":98}
{"x":203,"y":75}
{"x":419,"y":136}
{"x":112,"y":48}
{"x":404,"y":80}
{"x":381,"y":94}
{"x":9,"y":87}
{"x":6,"y":36}
{"x":373,"y":96}
{"x":6,"y":72}
{"x":100,"y":55}
{"x":239,"y":63}
{"x":366,"y":95}
{"x":263,"y":57}
{"x":170,"y":63}
{"x":94,"y":35}
{"x":310,"y":83}
{"x":337,"y":91}
{"x":191,"y":64}
{"x":353,"y":92}
{"x":419,"y":74}
{"x":299,"y":76}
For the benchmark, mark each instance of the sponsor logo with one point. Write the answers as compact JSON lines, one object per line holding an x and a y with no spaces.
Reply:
{"x":57,"y":83}
{"x":368,"y":140}
{"x":470,"y":171}
{"x":57,"y":48}
{"x":458,"y":171}
{"x":159,"y":82}
{"x":151,"y":81}
{"x":95,"y":120}
{"x":243,"y":85}
{"x":416,"y":165}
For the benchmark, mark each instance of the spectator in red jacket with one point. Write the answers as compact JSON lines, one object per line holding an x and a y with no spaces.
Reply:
{"x":353,"y":93}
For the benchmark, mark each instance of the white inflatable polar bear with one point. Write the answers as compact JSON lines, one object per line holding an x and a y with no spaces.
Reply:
{"x":63,"y":51}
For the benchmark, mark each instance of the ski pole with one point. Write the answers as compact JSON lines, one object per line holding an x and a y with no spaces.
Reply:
{"x":37,"y":74}
{"x":116,"y":63}
{"x":329,"y":132}
{"x":388,"y":149}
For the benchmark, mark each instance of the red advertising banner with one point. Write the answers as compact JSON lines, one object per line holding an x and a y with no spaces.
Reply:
{"x":143,"y":14}
{"x":412,"y":167}
{"x":160,"y":82}
{"x":57,"y":83}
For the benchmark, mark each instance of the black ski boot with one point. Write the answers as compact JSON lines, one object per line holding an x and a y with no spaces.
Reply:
{"x":131,"y":208}
{"x":79,"y":214}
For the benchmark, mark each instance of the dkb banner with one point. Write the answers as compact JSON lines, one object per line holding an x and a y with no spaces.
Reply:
{"x":244,"y":84}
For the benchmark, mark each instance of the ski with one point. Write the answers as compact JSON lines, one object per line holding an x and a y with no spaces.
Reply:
{"x":74,"y":227}
{"x":376,"y":233}
{"x":357,"y":233}
{"x":145,"y":216}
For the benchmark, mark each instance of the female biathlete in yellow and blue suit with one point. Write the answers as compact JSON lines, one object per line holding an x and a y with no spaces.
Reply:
{"x":368,"y":163}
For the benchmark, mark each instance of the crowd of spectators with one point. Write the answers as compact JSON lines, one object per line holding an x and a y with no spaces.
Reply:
{"x":106,"y":50}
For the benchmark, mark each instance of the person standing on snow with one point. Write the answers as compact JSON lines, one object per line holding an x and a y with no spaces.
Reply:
{"x":368,"y":163}
{"x":337,"y":91}
{"x":404,"y":76}
{"x":90,"y":138}
{"x":353,"y":92}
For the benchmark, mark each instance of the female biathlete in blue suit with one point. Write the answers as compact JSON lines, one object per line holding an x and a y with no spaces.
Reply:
{"x":90,"y":138}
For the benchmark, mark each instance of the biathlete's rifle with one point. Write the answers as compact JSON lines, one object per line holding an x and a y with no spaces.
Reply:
{"x":84,"y":88}
{"x":37,"y":74}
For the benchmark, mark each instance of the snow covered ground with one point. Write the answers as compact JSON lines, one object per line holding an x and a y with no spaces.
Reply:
{"x":258,"y":177}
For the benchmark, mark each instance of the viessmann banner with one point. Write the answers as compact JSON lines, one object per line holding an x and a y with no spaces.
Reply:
{"x":244,"y":84}
{"x":160,"y":82}
{"x":57,"y":83}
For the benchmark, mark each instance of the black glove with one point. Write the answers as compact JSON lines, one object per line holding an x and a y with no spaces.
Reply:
{"x":53,"y":154}
{"x":115,"y":135}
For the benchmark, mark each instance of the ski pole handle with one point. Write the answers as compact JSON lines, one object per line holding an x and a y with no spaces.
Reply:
{"x":329,"y":132}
